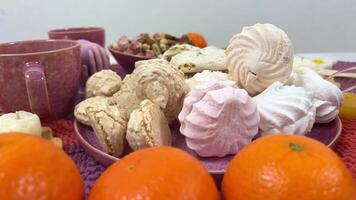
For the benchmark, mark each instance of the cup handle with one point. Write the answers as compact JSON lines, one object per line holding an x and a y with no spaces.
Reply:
{"x":37,"y":88}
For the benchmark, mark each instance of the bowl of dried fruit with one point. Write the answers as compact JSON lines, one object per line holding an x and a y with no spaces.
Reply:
{"x":127,"y":51}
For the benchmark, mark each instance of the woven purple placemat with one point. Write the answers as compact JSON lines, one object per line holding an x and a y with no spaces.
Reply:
{"x":90,"y":170}
{"x":346,"y":82}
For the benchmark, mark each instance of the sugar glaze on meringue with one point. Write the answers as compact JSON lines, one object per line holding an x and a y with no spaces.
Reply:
{"x":327,"y":96}
{"x":218,"y":119}
{"x":285,"y":109}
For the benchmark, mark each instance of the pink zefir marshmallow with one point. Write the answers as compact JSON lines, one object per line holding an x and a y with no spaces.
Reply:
{"x":218,"y":119}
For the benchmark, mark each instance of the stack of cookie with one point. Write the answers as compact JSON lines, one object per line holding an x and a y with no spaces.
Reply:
{"x":265,"y":94}
{"x":140,"y":108}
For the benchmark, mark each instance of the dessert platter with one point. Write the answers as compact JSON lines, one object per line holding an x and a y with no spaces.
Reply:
{"x":171,"y":118}
{"x":207,"y":101}
{"x":327,"y":133}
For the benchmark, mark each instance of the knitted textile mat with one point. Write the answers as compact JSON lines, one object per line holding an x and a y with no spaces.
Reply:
{"x":89,"y":169}
{"x":346,"y":147}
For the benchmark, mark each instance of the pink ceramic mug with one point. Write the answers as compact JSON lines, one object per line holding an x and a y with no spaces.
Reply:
{"x":92,"y":34}
{"x":40,"y":76}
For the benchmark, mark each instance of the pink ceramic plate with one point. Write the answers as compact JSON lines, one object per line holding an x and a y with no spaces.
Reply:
{"x":325,"y":133}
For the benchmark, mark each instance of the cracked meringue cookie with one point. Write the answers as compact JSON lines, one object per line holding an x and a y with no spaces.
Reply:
{"x":103,"y":83}
{"x":157,"y":61}
{"x":148,"y":127}
{"x":90,"y":104}
{"x":176,"y":49}
{"x":197,"y":60}
{"x":285,"y":109}
{"x":110,"y":127}
{"x":159,"y":82}
{"x":126,"y":98}
{"x":258,"y":56}
{"x":205,"y":76}
{"x":218,"y":119}
{"x":327,"y":97}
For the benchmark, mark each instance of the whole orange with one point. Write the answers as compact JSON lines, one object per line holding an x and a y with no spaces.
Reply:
{"x":33,"y":168}
{"x":287,"y":167}
{"x":155,"y":173}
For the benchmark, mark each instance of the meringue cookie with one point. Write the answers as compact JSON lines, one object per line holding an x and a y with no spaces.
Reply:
{"x":91,"y":104}
{"x":205,"y":76}
{"x":102,"y":83}
{"x":148,"y":127}
{"x":218,"y":119}
{"x":197,"y":60}
{"x":327,"y":97}
{"x":258,"y":56}
{"x":126,"y":98}
{"x":176,"y":49}
{"x":110,"y":128}
{"x":159,"y":82}
{"x":157,"y":61}
{"x":285,"y":109}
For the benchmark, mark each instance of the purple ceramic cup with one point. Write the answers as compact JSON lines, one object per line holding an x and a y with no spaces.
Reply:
{"x":40,"y":76}
{"x":92,"y":34}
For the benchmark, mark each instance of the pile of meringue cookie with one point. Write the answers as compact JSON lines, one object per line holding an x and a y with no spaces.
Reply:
{"x":219,"y":112}
{"x":137,"y":109}
{"x":265,"y":95}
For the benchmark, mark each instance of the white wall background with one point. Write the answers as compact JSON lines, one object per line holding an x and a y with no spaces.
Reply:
{"x":313,"y":25}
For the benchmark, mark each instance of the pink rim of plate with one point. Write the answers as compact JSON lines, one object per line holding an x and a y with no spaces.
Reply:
{"x":109,"y":158}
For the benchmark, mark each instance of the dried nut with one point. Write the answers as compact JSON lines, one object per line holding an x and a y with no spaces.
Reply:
{"x":172,"y":42}
{"x":170,"y":37}
{"x":159,"y":35}
{"x":145,"y":47}
{"x":156,"y":48}
{"x":163,"y":47}
{"x":115,"y":46}
{"x":163,"y":41}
